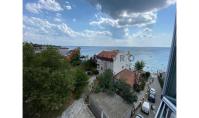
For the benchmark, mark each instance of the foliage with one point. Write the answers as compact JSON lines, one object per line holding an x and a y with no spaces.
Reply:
{"x":81,"y":80}
{"x":75,"y":58}
{"x":106,"y":81}
{"x":90,"y":66}
{"x":28,"y":54}
{"x":139,"y":65}
{"x":136,"y":87}
{"x":48,"y":80}
{"x":125,"y":91}
{"x":107,"y":84}
{"x":145,"y":76}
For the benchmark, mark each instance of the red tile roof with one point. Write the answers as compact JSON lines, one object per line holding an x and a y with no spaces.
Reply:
{"x":107,"y":55}
{"x":128,"y":76}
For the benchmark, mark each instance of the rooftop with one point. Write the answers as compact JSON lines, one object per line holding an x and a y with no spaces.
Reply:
{"x":107,"y":55}
{"x":113,"y":106}
{"x":127,"y":75}
{"x":77,"y":110}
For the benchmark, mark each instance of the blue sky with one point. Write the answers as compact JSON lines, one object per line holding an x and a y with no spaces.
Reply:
{"x":138,"y":23}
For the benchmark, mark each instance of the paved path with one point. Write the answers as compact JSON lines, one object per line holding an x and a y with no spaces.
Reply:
{"x":152,"y":113}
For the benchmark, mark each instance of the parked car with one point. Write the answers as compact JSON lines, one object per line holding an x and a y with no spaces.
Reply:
{"x":139,"y":116}
{"x":151,"y":98}
{"x":152,"y":91}
{"x":146,"y":107}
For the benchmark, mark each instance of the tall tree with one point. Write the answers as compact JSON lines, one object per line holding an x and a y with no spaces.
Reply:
{"x":139,"y":65}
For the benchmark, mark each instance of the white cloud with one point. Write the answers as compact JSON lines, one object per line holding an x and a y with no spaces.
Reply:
{"x":57,"y":20}
{"x":126,"y":20}
{"x":98,"y":7}
{"x":42,"y":27}
{"x":58,"y":14}
{"x":39,"y":30}
{"x":119,"y":15}
{"x":68,"y":7}
{"x":50,"y":5}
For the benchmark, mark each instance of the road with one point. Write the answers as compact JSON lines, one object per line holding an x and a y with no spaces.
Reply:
{"x":155,"y":84}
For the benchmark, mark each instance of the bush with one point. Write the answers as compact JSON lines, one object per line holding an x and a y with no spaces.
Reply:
{"x":95,"y":72}
{"x":125,"y":91}
{"x":81,"y":80}
{"x":139,"y":65}
{"x":136,"y":87}
{"x":108,"y":85}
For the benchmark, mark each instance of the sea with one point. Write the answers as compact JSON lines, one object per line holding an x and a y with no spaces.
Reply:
{"x":155,"y":58}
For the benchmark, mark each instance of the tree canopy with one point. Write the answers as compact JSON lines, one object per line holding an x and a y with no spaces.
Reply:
{"x":48,"y":80}
{"x":107,"y":84}
{"x":139,"y":65}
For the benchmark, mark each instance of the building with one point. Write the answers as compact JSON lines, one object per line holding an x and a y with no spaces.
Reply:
{"x":129,"y":76}
{"x":114,"y":60}
{"x":105,"y":106}
{"x":73,"y":54}
{"x":63,"y":51}
{"x":167,"y":107}
{"x":77,"y":110}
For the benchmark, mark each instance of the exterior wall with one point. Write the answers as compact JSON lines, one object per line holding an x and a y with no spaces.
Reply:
{"x":102,"y":111}
{"x":119,"y":65}
{"x":96,"y":110}
{"x":104,"y":65}
{"x":116,"y":66}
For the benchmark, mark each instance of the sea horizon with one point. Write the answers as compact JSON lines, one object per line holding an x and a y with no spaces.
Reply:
{"x":155,"y":58}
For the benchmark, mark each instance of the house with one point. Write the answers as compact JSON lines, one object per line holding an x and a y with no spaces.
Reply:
{"x":73,"y":54}
{"x":63,"y":51}
{"x":78,"y":109}
{"x":128,"y":76}
{"x":114,"y":60}
{"x":103,"y":105}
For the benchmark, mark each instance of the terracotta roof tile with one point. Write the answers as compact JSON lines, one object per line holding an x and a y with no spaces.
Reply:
{"x":107,"y":55}
{"x":128,"y":76}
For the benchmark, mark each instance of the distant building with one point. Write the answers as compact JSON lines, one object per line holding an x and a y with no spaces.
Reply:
{"x":73,"y":54}
{"x":39,"y":48}
{"x":63,"y":51}
{"x":129,"y":76}
{"x":105,"y":106}
{"x":114,"y":60}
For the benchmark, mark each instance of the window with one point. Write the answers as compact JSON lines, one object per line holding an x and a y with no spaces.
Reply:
{"x":121,"y":58}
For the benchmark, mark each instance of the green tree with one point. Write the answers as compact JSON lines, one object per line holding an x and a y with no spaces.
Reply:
{"x":28,"y":54}
{"x":108,"y":85}
{"x":125,"y":91}
{"x":81,"y":81}
{"x":106,"y":81}
{"x":48,"y":81}
{"x":139,"y":65}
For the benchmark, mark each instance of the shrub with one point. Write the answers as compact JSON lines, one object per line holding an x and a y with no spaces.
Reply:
{"x":139,"y":65}
{"x":108,"y":85}
{"x":95,"y":72}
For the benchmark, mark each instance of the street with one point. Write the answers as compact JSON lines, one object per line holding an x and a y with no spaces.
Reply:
{"x":155,"y":84}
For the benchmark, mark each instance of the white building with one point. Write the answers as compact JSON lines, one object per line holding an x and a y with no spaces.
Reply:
{"x":114,"y":60}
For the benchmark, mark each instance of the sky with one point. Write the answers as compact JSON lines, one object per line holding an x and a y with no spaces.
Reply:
{"x":126,"y":23}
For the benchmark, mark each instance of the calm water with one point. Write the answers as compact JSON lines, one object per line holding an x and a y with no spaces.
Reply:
{"x":155,"y":58}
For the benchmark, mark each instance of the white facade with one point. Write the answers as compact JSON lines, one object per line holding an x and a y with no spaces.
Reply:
{"x":120,"y":61}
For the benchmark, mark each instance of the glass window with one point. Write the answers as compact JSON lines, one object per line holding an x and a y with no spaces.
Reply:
{"x":121,"y":58}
